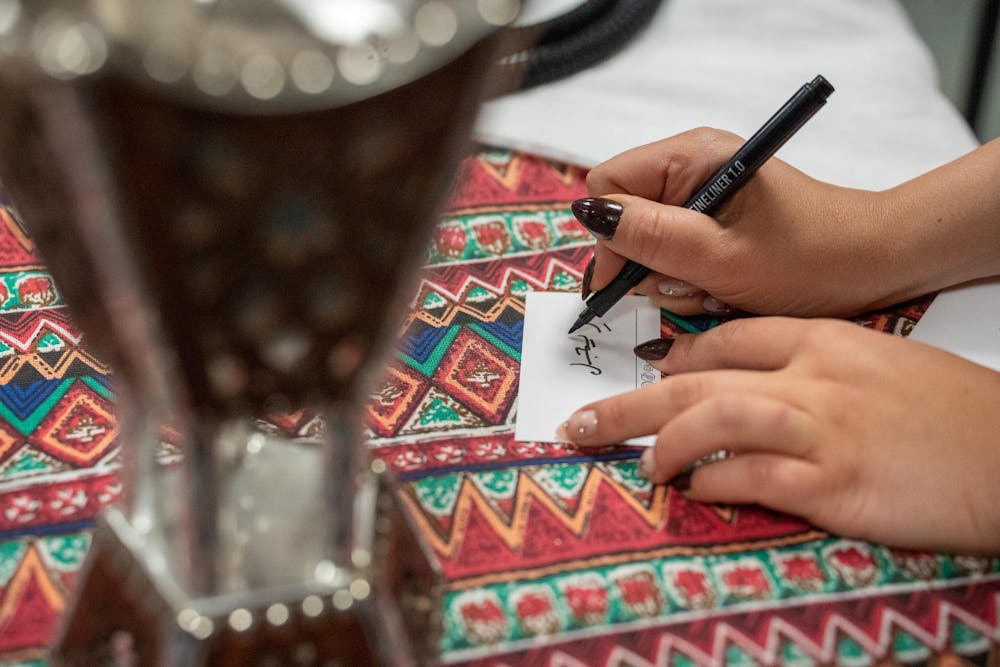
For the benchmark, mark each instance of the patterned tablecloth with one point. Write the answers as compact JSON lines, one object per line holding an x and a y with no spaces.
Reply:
{"x":553,"y":555}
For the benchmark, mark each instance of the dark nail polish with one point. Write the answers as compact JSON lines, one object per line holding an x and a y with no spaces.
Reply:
{"x":682,"y":482}
{"x":653,"y":350}
{"x":600,"y":216}
{"x":588,"y":275}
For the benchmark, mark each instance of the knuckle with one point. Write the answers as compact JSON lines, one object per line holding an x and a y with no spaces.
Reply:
{"x":677,"y":359}
{"x":678,"y":164}
{"x":683,"y":391}
{"x":613,"y":416}
{"x":716,"y":140}
{"x":760,"y":472}
{"x":725,"y":336}
{"x":597,"y":180}
{"x":704,"y":132}
{"x":728,"y":251}
{"x":729,"y":413}
{"x":648,"y":235}
{"x":820,"y":334}
{"x":781,"y":419}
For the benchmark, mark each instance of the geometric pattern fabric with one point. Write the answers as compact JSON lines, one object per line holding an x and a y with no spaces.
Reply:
{"x":552,"y":556}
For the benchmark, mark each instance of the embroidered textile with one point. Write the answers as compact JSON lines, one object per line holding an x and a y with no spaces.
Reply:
{"x":552,"y":555}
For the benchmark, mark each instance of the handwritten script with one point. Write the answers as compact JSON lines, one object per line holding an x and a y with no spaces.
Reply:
{"x":562,"y":372}
{"x":588,"y":345}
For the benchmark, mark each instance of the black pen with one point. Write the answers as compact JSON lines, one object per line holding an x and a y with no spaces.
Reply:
{"x":725,"y":182}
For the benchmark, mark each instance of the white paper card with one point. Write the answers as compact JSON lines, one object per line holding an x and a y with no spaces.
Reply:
{"x":562,"y":372}
{"x":965,"y":320}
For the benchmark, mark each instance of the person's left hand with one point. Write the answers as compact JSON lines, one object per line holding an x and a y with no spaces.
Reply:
{"x":862,"y":433}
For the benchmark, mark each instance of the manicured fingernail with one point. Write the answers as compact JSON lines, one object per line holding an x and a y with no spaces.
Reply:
{"x":653,"y":350}
{"x":561,"y":432}
{"x":647,"y":464}
{"x":600,"y":216}
{"x":588,"y":275}
{"x":581,"y":425}
{"x":672,"y":287}
{"x":713,"y":305}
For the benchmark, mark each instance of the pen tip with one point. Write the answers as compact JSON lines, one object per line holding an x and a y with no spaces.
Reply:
{"x":585,"y":317}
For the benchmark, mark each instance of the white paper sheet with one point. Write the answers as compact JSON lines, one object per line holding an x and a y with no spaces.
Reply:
{"x":562,"y":372}
{"x":965,"y":320}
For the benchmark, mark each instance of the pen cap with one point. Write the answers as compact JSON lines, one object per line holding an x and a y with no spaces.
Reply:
{"x":822,"y":87}
{"x":780,"y":127}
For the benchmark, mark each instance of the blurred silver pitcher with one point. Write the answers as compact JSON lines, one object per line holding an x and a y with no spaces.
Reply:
{"x":232,"y":196}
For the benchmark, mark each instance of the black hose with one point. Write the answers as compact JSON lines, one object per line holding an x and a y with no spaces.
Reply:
{"x":566,"y":44}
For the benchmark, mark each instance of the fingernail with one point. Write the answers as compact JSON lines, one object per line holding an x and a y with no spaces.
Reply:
{"x":682,"y":482}
{"x":561,"y":432}
{"x":672,"y":287}
{"x":588,"y":275}
{"x":653,"y":350}
{"x":581,"y":425}
{"x":600,"y":216}
{"x":713,"y":305}
{"x":647,"y":464}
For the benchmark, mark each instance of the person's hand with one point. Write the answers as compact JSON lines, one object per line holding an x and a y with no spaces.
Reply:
{"x":861,"y":433}
{"x":787,"y":243}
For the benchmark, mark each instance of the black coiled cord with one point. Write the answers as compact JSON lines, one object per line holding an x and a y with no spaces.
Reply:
{"x":563,"y":45}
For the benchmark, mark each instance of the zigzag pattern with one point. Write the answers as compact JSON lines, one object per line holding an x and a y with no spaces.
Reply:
{"x":70,"y":362}
{"x":493,"y":292}
{"x":420,"y":346}
{"x":513,"y":528}
{"x":598,"y":517}
{"x":23,"y":400}
{"x":497,"y":176}
{"x":23,"y":330}
{"x":32,"y":595}
{"x":708,"y":642}
{"x":507,"y":331}
{"x":454,"y":281}
{"x":509,"y":309}
{"x":16,"y":232}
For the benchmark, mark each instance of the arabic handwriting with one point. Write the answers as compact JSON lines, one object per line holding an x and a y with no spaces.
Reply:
{"x":587,"y":348}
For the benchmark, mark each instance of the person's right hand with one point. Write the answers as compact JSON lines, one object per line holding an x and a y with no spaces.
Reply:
{"x":785,"y":243}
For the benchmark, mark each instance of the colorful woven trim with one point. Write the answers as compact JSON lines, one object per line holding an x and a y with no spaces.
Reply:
{"x":552,"y":555}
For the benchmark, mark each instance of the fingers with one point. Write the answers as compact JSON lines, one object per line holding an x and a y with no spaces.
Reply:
{"x":780,"y":482}
{"x":685,"y":244}
{"x":665,"y":292}
{"x":642,"y":412}
{"x":669,"y":293}
{"x":661,"y":286}
{"x":692,"y":305}
{"x":607,"y":264}
{"x":668,"y":170}
{"x":757,"y":343}
{"x":737,"y":422}
{"x":680,"y":297}
{"x":675,"y":241}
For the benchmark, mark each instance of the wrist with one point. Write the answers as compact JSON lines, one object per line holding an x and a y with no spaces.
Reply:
{"x":946,"y":221}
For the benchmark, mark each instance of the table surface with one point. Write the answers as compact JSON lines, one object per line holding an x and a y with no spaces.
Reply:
{"x":552,"y":555}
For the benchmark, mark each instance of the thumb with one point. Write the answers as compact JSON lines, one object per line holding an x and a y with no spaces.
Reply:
{"x":670,"y":240}
{"x":668,"y":170}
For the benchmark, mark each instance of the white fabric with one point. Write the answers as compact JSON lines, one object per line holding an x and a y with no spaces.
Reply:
{"x":731,"y":64}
